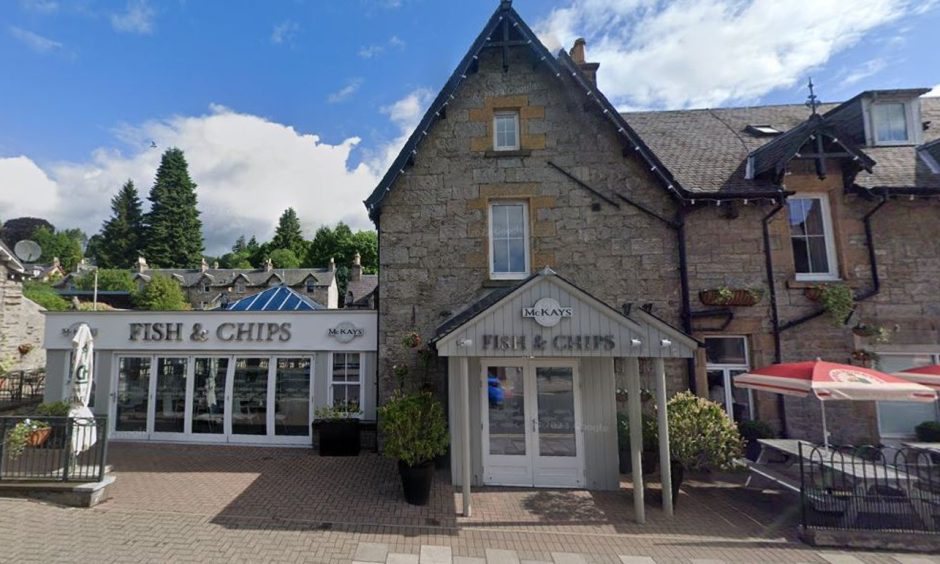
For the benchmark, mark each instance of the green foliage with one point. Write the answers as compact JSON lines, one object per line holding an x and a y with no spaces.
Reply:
{"x":53,"y":409}
{"x":284,"y":258}
{"x":340,"y":410}
{"x":752,"y":429}
{"x":119,"y":243}
{"x":701,"y":435}
{"x":650,"y":433}
{"x":341,"y":244}
{"x":414,"y":428}
{"x":289,"y":236}
{"x":838,"y":301}
{"x":19,"y":228}
{"x":18,"y":437}
{"x":161,"y":294}
{"x":44,"y":295}
{"x":928,"y":432}
{"x":108,"y":280}
{"x":64,"y":245}
{"x":173,"y":233}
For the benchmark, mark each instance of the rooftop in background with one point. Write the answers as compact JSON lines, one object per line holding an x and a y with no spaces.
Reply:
{"x":278,"y":298}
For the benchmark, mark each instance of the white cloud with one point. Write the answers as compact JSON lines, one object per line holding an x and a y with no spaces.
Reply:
{"x":935,"y":93}
{"x":405,"y":114}
{"x":137,"y":18}
{"x":345,"y":92}
{"x":284,"y":32}
{"x":370,"y":51}
{"x":248,"y":170}
{"x":41,"y":6}
{"x":35,"y":41}
{"x":863,"y":71}
{"x":694,"y":53}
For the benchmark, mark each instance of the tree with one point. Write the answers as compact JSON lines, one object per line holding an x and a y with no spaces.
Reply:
{"x":44,"y":295}
{"x":341,"y":244}
{"x":119,"y":245}
{"x":173,"y":232}
{"x":113,"y":280}
{"x":288,"y":234}
{"x":161,"y":294}
{"x":284,"y":258}
{"x":19,"y":228}
{"x":64,"y":245}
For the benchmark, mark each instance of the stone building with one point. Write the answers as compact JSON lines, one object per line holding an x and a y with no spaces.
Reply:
{"x":21,"y":320}
{"x":522,"y":163}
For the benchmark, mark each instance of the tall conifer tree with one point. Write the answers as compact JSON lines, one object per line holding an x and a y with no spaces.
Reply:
{"x":173,"y":229}
{"x":288,"y":234}
{"x":118,"y":246}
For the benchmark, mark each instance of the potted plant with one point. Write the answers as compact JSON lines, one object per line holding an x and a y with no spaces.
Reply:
{"x":338,"y":428}
{"x":26,"y":433}
{"x":875,"y":333}
{"x":650,"y":457}
{"x":55,"y":409}
{"x":415,"y":431}
{"x":725,"y":296}
{"x":752,"y":430}
{"x":411,"y":340}
{"x":837,"y":300}
{"x":701,"y":437}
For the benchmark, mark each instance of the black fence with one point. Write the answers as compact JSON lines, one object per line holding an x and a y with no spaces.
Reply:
{"x":21,"y":387}
{"x":53,"y":449}
{"x":870,"y":488}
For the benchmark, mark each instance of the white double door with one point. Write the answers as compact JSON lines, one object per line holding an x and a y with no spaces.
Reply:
{"x":238,"y":399}
{"x":532,"y":434}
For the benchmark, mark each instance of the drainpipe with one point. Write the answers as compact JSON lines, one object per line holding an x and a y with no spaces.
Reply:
{"x":684,"y":284}
{"x":774,"y":316}
{"x":872,"y":260}
{"x":378,"y":325}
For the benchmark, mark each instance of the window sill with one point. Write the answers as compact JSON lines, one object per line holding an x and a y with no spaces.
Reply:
{"x":795,"y":284}
{"x":516,"y":153}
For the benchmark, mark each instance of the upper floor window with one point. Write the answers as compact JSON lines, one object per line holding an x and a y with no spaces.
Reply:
{"x":206,"y":287}
{"x":509,"y":240}
{"x":890,"y":123}
{"x":814,"y":254}
{"x":506,"y":131}
{"x":240,"y":287}
{"x":311,"y":285}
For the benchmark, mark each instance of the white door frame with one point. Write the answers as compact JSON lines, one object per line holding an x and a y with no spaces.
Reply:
{"x":112,"y":407}
{"x":527,"y":467}
{"x":187,"y":401}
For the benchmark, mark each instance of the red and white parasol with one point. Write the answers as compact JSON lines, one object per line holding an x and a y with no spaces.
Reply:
{"x":926,"y":375}
{"x":831,"y":381}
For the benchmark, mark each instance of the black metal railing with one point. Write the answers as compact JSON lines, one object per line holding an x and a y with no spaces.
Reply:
{"x":21,"y":387}
{"x":53,"y":449}
{"x":869,"y":488}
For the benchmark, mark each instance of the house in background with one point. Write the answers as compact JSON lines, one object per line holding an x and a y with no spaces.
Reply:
{"x":21,"y":319}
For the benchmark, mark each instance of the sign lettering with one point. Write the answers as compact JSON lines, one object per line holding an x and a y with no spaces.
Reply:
{"x":547,"y":312}
{"x":228,"y":332}
{"x":556,"y":343}
{"x":345,"y":332}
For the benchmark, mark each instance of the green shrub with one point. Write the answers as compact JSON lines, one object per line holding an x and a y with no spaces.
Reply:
{"x":44,"y":295}
{"x":701,"y":435}
{"x":162,"y":293}
{"x":838,"y":300}
{"x":109,"y":279}
{"x":650,"y":433}
{"x":53,"y":409}
{"x":928,"y":432}
{"x":751,"y":430}
{"x":414,"y":428}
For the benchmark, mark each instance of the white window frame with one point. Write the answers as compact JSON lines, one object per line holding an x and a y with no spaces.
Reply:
{"x":310,"y":285}
{"x":935,"y":358}
{"x":726,"y":369}
{"x":240,"y":287}
{"x":347,"y":382}
{"x":525,"y":236}
{"x":515,"y":116}
{"x":911,"y":114}
{"x":832,"y":274}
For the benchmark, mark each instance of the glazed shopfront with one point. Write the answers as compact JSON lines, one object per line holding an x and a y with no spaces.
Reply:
{"x":219,"y":376}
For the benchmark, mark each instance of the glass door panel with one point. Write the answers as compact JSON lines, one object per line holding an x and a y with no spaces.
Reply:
{"x":292,"y":397}
{"x":209,"y":395}
{"x":506,"y":412}
{"x":555,"y":400}
{"x":132,"y":394}
{"x":170,"y":399}
{"x":250,"y":396}
{"x":740,"y":398}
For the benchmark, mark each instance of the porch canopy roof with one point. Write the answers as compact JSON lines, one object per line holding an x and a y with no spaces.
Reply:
{"x":545,"y":315}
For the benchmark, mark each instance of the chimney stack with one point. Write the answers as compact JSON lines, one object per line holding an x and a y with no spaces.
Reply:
{"x":142,"y":265}
{"x":332,"y":265}
{"x":355,"y":271}
{"x":268,"y":265}
{"x":203,"y":266}
{"x":578,"y":55}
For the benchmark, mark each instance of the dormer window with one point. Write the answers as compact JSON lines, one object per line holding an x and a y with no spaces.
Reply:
{"x":506,"y":131}
{"x":890,"y":123}
{"x":240,"y":287}
{"x":311,"y":285}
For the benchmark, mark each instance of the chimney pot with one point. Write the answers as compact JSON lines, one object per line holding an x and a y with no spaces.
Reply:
{"x":578,"y":54}
{"x":203,"y":265}
{"x":142,"y":264}
{"x":268,"y":265}
{"x":332,"y":265}
{"x":355,"y":271}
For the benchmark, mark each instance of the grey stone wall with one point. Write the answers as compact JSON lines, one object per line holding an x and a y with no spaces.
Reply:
{"x":21,"y":323}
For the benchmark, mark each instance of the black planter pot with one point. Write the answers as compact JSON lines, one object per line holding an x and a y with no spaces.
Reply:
{"x":416,"y":481}
{"x":649,"y":460}
{"x":338,"y":437}
{"x":678,"y":473}
{"x":752,"y":451}
{"x":626,"y":462}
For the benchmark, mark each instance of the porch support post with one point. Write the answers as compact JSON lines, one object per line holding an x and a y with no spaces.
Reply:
{"x":465,"y":432}
{"x":635,"y":417}
{"x":665,"y":471}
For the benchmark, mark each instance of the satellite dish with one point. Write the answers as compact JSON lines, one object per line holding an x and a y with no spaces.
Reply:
{"x":27,"y":251}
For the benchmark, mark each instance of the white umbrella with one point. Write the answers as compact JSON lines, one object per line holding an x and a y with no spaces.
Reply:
{"x":84,"y":434}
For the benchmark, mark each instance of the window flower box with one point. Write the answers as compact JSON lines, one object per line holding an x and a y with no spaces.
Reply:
{"x":735,"y":297}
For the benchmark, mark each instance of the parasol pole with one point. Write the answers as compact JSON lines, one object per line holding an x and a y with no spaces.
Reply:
{"x":825,"y":431}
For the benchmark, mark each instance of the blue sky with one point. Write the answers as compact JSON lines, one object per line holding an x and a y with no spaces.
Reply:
{"x":89,"y":83}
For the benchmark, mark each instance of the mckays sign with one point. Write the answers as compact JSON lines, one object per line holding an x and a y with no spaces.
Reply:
{"x":196,"y":332}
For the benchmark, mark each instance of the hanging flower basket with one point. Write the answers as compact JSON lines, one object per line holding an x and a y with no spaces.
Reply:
{"x":813,"y":293}
{"x":38,"y":437}
{"x":736,"y":297}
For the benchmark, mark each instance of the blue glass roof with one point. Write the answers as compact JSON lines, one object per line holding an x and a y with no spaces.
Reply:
{"x":277,"y":298}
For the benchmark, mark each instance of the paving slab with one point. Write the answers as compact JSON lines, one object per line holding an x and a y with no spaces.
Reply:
{"x":469,"y":560}
{"x":635,"y":559}
{"x":568,"y":558}
{"x":401,"y":558}
{"x":371,"y":552}
{"x":839,"y":558}
{"x":500,"y":556}
{"x":431,"y":554}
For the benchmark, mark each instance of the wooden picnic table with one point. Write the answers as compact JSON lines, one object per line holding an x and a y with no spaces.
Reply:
{"x":933,"y":448}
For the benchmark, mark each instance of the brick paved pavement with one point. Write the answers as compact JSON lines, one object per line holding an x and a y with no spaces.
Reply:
{"x":246,"y":504}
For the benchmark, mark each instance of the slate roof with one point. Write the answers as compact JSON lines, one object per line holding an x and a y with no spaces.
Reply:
{"x":706,"y":150}
{"x":362,"y":288}
{"x":225,"y":277}
{"x":278,"y":298}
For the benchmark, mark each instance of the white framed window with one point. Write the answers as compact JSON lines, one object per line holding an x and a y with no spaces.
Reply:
{"x":506,"y":131}
{"x":811,"y":236}
{"x":897,"y":419}
{"x":346,"y":380}
{"x":239,"y":287}
{"x":725,"y":358}
{"x":509,"y":240}
{"x":311,"y":285}
{"x":206,"y":287}
{"x":891,"y":123}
